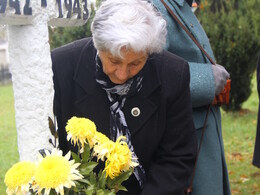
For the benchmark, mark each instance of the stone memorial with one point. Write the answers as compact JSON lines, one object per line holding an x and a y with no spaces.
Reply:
{"x":30,"y":63}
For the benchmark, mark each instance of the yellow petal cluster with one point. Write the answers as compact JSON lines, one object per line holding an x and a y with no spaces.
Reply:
{"x":18,"y":177}
{"x":56,"y":172}
{"x":80,"y":130}
{"x":103,"y":146}
{"x":119,"y":159}
{"x":117,"y":155}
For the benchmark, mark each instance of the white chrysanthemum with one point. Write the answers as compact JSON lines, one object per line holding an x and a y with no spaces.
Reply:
{"x":56,"y":172}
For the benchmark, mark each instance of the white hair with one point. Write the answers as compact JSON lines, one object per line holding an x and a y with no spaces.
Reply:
{"x":130,"y":24}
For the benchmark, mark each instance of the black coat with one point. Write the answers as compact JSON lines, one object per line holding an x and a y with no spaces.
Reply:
{"x":256,"y":158}
{"x":163,"y":135}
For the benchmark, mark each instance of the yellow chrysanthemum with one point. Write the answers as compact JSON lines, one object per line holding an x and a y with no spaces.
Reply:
{"x":103,"y":146}
{"x":119,"y":159}
{"x":79,"y":130}
{"x":56,"y":172}
{"x":18,"y":177}
{"x":100,"y":138}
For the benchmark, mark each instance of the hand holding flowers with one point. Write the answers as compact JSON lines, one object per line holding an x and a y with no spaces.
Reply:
{"x":59,"y":174}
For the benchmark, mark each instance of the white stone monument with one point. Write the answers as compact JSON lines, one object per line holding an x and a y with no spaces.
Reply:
{"x":30,"y":62}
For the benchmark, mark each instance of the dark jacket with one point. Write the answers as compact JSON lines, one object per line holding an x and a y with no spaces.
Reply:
{"x":163,"y":135}
{"x":256,"y":158}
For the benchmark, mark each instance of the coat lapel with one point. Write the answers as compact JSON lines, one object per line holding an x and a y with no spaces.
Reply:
{"x":92,"y":102}
{"x":146,"y":101}
{"x":179,"y":2}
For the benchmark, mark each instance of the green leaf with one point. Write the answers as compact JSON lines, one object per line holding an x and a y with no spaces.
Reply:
{"x":120,"y":187}
{"x":100,"y":192}
{"x":52,"y":192}
{"x":92,"y":178}
{"x":102,"y":179}
{"x":32,"y":192}
{"x":110,"y":192}
{"x":76,"y":182}
{"x":86,"y":154}
{"x":116,"y":182}
{"x":52,"y":128}
{"x":105,"y":192}
{"x":86,"y":181}
{"x":75,"y":157}
{"x":76,"y":190}
{"x":68,"y":191}
{"x":87,"y":168}
{"x":90,"y":190}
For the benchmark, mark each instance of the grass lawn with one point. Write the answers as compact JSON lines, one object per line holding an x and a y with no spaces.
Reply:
{"x":238,"y":132}
{"x":8,"y":138}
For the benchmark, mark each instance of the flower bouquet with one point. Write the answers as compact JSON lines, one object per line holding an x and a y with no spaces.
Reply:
{"x":74,"y":173}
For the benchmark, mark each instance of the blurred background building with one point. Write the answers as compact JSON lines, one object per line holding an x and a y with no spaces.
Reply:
{"x":5,"y":75}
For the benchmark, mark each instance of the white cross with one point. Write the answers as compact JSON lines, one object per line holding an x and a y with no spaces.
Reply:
{"x":30,"y":63}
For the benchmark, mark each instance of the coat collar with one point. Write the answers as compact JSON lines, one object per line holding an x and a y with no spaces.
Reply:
{"x":84,"y":74}
{"x":93,"y":100}
{"x":179,"y":2}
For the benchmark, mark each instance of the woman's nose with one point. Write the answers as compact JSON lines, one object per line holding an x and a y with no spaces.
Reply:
{"x":122,"y":73}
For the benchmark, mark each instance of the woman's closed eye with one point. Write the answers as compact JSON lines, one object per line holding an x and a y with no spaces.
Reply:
{"x":114,"y":61}
{"x":135,"y":63}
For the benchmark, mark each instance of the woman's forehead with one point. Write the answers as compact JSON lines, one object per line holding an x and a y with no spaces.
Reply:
{"x":126,"y":54}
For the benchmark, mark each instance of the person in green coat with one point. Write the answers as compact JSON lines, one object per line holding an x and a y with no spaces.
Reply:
{"x":206,"y":81}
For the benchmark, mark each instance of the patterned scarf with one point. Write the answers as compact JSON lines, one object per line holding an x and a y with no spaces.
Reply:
{"x":117,"y":95}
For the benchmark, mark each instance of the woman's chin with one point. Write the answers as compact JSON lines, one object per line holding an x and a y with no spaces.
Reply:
{"x":118,"y":82}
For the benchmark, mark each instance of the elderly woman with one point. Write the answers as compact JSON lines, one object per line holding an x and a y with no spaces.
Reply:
{"x":124,"y":81}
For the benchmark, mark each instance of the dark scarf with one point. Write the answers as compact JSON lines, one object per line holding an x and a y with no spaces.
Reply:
{"x":117,"y":95}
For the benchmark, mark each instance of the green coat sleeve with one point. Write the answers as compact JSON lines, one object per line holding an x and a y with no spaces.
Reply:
{"x":202,"y":84}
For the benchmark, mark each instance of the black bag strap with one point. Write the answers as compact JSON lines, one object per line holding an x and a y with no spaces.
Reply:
{"x":189,"y":189}
{"x":188,"y":32}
